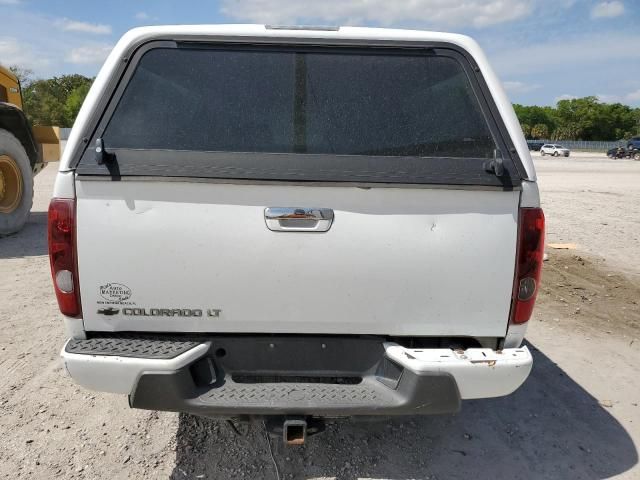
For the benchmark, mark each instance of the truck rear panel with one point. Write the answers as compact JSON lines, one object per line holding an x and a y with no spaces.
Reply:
{"x":200,"y":140}
{"x":257,"y":221}
{"x":199,"y":257}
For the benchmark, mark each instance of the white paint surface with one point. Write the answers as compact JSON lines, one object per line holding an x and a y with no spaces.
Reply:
{"x":396,"y":261}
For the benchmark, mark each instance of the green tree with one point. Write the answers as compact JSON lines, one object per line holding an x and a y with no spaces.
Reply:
{"x":617,"y":121}
{"x":25,"y":75}
{"x":526,"y":130}
{"x":534,"y":115}
{"x":74,"y":102}
{"x":580,"y":118}
{"x":540,"y":131}
{"x":635,"y":130}
{"x":55,"y":101}
{"x":566,"y":132}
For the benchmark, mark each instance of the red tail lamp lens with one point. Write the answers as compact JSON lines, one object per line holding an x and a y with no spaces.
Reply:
{"x":529,"y":267}
{"x":62,"y":255}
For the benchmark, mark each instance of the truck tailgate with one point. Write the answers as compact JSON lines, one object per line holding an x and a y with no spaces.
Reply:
{"x":180,"y":256}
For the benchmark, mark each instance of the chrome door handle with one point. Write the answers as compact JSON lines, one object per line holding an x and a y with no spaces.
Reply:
{"x":298,"y":219}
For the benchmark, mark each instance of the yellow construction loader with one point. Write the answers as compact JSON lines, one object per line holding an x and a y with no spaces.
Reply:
{"x":24,"y":151}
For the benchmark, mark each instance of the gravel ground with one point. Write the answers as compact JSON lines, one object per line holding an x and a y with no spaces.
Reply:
{"x":594,"y":202}
{"x":576,"y":417}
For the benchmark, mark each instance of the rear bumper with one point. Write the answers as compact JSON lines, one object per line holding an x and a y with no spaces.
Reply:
{"x":389,"y":380}
{"x":478,"y":372}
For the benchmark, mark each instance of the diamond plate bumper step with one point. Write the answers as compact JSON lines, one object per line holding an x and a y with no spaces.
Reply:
{"x":133,"y":346}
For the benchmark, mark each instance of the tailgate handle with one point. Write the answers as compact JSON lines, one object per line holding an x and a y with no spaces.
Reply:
{"x":298,"y":219}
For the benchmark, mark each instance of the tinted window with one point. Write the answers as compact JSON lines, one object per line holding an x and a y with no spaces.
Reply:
{"x":293,"y":102}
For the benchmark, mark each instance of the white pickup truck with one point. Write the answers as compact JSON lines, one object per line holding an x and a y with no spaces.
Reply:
{"x":255,"y":221}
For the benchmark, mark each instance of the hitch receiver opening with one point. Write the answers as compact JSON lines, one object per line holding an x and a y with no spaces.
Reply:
{"x":294,"y":431}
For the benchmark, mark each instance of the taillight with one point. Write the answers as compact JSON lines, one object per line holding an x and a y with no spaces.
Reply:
{"x":529,"y":263}
{"x":62,"y":255}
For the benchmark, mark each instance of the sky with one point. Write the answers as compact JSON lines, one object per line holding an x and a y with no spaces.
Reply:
{"x":542,"y":50}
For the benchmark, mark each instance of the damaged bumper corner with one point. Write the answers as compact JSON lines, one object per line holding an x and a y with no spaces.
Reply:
{"x":478,"y":372}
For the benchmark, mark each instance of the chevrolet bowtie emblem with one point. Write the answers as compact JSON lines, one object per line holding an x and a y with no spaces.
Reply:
{"x":109,"y":311}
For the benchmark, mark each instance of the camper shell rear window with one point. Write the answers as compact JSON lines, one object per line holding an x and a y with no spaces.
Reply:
{"x":302,"y":113}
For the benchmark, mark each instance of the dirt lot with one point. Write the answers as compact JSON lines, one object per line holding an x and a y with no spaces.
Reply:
{"x":576,"y":417}
{"x":594,"y":202}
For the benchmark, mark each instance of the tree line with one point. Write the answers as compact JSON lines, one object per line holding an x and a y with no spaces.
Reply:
{"x":57,"y":100}
{"x":579,"y":119}
{"x":53,"y":101}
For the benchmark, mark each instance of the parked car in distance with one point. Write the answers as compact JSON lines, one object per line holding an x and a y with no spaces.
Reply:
{"x":621,"y":152}
{"x":633,"y":143}
{"x":534,"y":145}
{"x":554,"y":149}
{"x":617,"y":152}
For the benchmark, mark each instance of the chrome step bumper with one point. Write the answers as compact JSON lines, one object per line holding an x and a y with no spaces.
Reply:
{"x":478,"y":372}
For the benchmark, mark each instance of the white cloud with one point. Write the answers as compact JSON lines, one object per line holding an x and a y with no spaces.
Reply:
{"x":570,"y":53}
{"x":609,"y":98}
{"x":576,"y":65}
{"x":10,"y":50}
{"x":614,"y":8}
{"x":14,"y":52}
{"x":519,"y":87}
{"x":633,"y":96}
{"x":478,"y":13}
{"x":89,"y":54}
{"x":564,"y":96}
{"x":145,"y":17}
{"x":626,"y":98}
{"x":68,"y":25}
{"x":29,"y":41}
